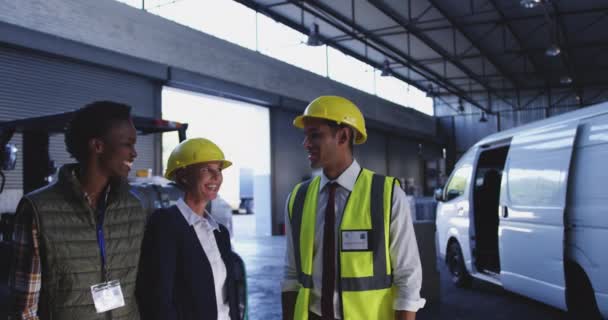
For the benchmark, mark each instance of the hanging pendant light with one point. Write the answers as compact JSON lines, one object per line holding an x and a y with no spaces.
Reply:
{"x":483,"y":117}
{"x":553,"y":50}
{"x":386,"y":69}
{"x":314,"y":39}
{"x":529,"y":4}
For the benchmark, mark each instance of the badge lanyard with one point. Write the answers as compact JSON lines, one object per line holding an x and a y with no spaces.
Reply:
{"x":101,"y":211}
{"x":107,"y":295}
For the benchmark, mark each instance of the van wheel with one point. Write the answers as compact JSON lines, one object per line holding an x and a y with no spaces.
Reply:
{"x":580,"y":297}
{"x":455,"y":262}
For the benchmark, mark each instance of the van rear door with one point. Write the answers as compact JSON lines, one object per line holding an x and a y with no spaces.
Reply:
{"x":532,"y":203}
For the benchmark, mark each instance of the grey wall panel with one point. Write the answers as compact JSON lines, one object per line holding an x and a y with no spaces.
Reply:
{"x":561,"y":110}
{"x":33,"y":84}
{"x":465,"y":129}
{"x":508,"y":120}
{"x":372,"y":154}
{"x":512,"y":119}
{"x":469,"y":130}
{"x":289,"y":161}
{"x":404,"y":160}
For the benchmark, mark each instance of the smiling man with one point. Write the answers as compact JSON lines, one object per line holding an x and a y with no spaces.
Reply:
{"x":78,"y":239}
{"x":351,"y":249}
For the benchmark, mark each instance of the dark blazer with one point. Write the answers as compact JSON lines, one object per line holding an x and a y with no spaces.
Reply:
{"x":175,"y":280}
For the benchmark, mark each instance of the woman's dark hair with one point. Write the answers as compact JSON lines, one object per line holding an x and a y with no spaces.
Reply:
{"x":93,"y":121}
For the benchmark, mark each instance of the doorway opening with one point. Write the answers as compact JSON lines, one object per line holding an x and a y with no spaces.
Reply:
{"x":486,"y":198}
{"x":242,"y":131}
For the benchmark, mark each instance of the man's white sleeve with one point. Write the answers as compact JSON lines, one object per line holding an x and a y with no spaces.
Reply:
{"x":405,"y":260}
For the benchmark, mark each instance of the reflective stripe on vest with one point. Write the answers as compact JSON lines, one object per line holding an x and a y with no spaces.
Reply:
{"x":296,"y":210}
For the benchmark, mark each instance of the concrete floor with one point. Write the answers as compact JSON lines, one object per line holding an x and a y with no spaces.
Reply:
{"x":264,"y":259}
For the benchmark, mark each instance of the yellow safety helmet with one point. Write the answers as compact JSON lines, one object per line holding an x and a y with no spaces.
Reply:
{"x":193,"y":151}
{"x":337,"y":109}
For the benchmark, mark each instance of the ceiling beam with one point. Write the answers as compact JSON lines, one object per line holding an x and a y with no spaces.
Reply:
{"x":483,"y":52}
{"x":526,"y":51}
{"x":465,"y":20}
{"x":590,"y":86}
{"x":507,"y":24}
{"x":590,"y":70}
{"x":397,"y":55}
{"x":382,"y":7}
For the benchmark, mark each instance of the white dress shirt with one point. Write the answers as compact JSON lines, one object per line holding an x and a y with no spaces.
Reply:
{"x":204,"y":228}
{"x":405,"y":261}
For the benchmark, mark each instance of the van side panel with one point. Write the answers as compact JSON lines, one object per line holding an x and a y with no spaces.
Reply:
{"x":531,"y":235}
{"x":587,"y":216}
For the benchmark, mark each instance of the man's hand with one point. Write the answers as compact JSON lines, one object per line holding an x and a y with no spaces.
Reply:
{"x":405,"y":315}
{"x":288,"y":300}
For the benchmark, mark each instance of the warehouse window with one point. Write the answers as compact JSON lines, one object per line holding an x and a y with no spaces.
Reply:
{"x":392,"y":89}
{"x":132,"y":3}
{"x":350,"y":71}
{"x":239,"y":29}
{"x":256,"y":31}
{"x":288,"y":45}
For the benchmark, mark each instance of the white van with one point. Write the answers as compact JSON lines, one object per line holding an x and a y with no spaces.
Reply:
{"x":527,"y":209}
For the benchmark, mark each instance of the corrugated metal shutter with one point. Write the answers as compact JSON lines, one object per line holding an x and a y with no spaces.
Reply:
{"x":33,"y":84}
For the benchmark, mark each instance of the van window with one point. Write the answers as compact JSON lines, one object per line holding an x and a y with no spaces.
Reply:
{"x":458,"y":182}
{"x":534,"y":186}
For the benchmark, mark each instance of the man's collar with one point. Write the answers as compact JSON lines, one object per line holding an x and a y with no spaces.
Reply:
{"x":347,"y":179}
{"x":68,"y":176}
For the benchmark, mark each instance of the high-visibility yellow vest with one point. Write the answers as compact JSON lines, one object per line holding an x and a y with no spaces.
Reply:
{"x":365,"y":279}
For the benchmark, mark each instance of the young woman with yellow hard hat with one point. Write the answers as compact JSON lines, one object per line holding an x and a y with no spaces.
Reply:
{"x":186,"y":270}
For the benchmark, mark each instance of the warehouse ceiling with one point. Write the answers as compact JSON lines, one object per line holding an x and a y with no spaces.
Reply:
{"x":493,"y":49}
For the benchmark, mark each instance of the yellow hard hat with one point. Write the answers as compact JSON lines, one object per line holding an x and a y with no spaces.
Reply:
{"x":337,"y":109}
{"x":193,"y":151}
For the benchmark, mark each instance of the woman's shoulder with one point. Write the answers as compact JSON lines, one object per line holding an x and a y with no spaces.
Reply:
{"x":165,"y":217}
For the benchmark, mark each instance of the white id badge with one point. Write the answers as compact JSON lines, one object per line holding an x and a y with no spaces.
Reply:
{"x":107,"y":296}
{"x":355,"y":240}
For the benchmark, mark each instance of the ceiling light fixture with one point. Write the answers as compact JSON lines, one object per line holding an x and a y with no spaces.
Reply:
{"x":314,"y":39}
{"x":529,"y":4}
{"x":553,"y":50}
{"x":483,"y":117}
{"x":460,"y":106}
{"x":565,"y":80}
{"x":386,"y":69}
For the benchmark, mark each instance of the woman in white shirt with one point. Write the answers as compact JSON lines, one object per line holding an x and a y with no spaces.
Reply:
{"x":186,"y":269}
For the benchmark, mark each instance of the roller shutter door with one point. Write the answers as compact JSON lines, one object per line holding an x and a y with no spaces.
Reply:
{"x":34,"y":84}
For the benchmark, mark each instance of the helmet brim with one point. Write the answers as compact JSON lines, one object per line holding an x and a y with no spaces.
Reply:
{"x":225,"y":164}
{"x":298,"y":122}
{"x":171,"y":174}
